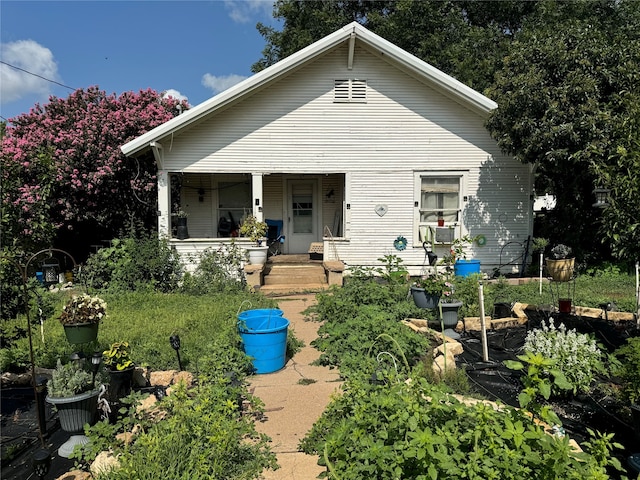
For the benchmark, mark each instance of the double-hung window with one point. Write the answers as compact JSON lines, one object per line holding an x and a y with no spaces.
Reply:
{"x":439,"y":205}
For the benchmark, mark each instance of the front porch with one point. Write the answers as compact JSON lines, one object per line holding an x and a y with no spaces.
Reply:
{"x":307,"y":208}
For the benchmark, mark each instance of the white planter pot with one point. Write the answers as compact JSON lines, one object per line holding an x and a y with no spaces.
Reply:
{"x":257,"y":255}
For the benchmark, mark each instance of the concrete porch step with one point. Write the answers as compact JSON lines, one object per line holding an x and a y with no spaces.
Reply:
{"x":294,"y":278}
{"x":294,"y":275}
{"x":278,"y":290}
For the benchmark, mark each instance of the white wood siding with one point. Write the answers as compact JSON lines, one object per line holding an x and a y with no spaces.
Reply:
{"x":294,"y":127}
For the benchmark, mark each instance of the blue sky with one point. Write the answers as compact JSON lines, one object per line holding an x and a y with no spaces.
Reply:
{"x":194,"y":49}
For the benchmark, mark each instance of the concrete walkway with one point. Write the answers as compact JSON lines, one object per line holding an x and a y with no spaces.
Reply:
{"x":295,"y":397}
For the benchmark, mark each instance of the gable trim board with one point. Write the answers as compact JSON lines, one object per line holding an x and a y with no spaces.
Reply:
{"x":410,"y":119}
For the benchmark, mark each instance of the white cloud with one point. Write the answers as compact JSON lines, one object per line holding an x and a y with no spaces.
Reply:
{"x":244,"y":11}
{"x":32,"y":57}
{"x":219,"y":84}
{"x":175,"y":94}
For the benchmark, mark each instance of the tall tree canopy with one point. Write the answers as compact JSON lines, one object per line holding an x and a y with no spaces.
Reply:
{"x":568,"y":95}
{"x":467,"y":39}
{"x":62,"y":168}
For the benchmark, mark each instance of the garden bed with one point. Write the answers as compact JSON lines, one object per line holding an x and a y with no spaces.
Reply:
{"x":598,"y":410}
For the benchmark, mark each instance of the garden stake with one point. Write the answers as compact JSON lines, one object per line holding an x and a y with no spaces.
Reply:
{"x":174,"y":340}
{"x":483,"y":325}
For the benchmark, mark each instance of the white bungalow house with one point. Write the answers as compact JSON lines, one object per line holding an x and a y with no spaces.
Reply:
{"x":352,"y":143}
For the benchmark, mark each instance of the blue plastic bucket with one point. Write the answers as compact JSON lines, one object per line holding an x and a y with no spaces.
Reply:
{"x":265,"y":341}
{"x":260,"y":312}
{"x":464,"y":268}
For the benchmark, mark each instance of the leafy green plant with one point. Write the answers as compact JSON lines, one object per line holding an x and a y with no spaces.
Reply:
{"x":353,"y":319}
{"x":204,"y":435}
{"x":69,"y":380}
{"x":628,"y":368}
{"x":217,"y":271}
{"x":539,"y":379}
{"x":393,"y":270}
{"x":131,"y":263}
{"x":575,"y":355}
{"x":415,"y":430}
{"x":117,"y":357}
{"x":253,"y":228}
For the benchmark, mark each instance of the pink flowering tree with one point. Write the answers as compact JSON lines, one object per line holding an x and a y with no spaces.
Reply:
{"x":62,"y":168}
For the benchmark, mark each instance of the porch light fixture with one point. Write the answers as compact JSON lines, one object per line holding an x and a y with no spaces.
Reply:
{"x":174,"y":340}
{"x":602,"y":197}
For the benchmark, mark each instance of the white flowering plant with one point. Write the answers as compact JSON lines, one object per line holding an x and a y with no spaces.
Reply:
{"x":576,"y":355}
{"x":83,"y":309}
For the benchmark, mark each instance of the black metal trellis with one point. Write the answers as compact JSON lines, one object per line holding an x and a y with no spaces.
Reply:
{"x":23,"y":269}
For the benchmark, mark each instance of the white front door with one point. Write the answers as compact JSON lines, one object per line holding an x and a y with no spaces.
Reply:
{"x":302,"y":213}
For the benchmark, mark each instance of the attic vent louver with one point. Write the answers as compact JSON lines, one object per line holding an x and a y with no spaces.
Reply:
{"x":350,"y":91}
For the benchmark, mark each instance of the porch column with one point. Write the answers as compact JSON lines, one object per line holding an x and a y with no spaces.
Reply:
{"x":164,"y":205}
{"x":256,"y":190}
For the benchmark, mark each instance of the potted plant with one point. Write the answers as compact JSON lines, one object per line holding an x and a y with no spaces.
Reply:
{"x":120,"y":367}
{"x":182,"y":233}
{"x":427,"y":290}
{"x":449,"y":307}
{"x":458,"y":256}
{"x":81,"y":317}
{"x":74,"y":391}
{"x":560,"y":263}
{"x":256,"y":231}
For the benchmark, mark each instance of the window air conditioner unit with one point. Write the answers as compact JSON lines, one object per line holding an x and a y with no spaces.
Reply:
{"x":444,"y":235}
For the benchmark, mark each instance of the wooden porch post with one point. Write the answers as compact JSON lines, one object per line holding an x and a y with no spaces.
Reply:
{"x":256,"y":190}
{"x":164,"y":205}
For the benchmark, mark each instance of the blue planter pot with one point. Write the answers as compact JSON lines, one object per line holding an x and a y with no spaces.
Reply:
{"x":464,"y":268}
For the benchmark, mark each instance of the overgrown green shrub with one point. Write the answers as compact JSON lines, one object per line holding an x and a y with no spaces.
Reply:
{"x":413,"y":430}
{"x":217,"y":271}
{"x":629,"y":368}
{"x":354,"y":318}
{"x":203,"y":434}
{"x":129,"y":264}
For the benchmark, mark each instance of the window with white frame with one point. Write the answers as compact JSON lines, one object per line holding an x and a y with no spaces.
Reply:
{"x":439,"y":205}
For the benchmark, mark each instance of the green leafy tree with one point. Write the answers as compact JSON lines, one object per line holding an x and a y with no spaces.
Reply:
{"x":466,"y":39}
{"x":566,"y":89}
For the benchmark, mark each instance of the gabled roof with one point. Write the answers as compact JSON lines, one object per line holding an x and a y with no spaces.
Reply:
{"x":420,"y":69}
